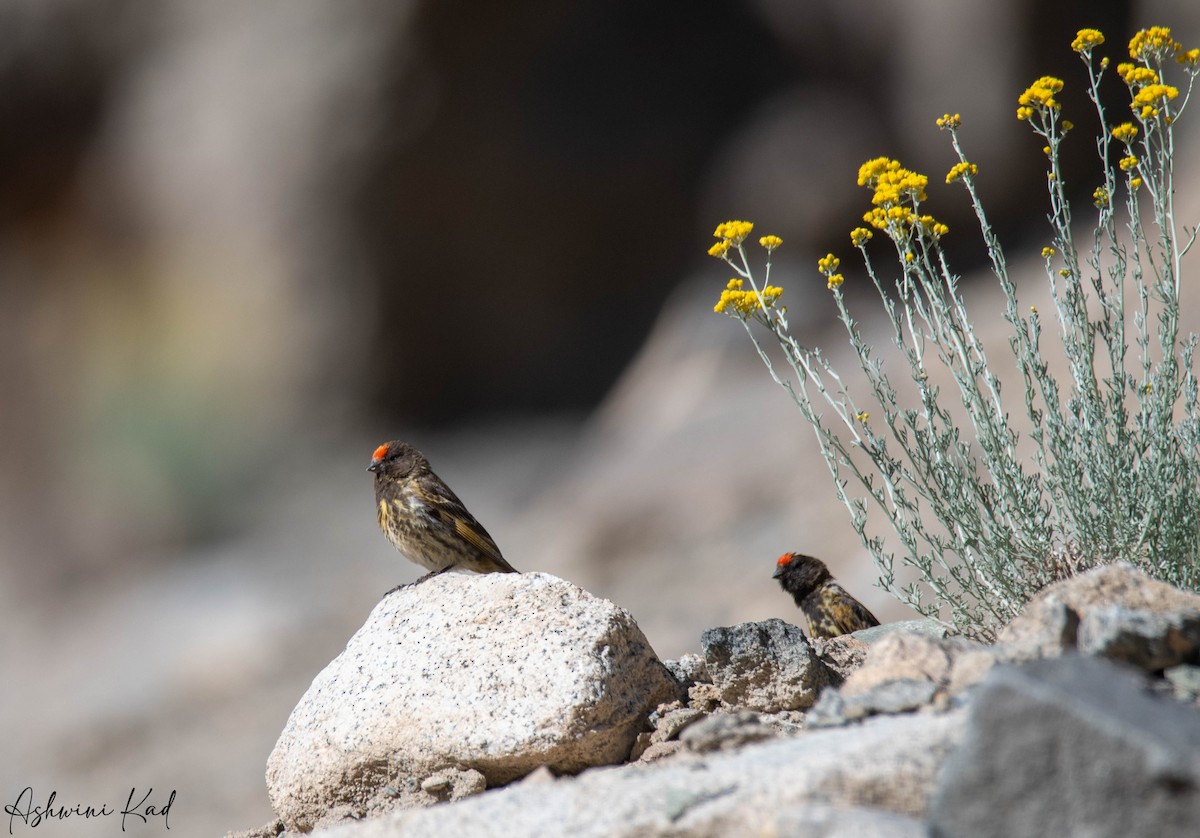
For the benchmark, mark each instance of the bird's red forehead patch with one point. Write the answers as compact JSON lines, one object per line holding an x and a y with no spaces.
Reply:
{"x":786,"y":558}
{"x":380,"y":452}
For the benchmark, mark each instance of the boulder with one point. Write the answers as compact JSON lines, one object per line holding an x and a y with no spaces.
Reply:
{"x":874,"y":779}
{"x":950,"y":663}
{"x":767,"y":666}
{"x":460,"y":683}
{"x":1147,"y":640}
{"x":1049,"y":625}
{"x":1072,"y":746}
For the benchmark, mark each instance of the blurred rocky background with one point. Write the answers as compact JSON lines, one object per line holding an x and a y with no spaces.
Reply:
{"x":242,"y":243}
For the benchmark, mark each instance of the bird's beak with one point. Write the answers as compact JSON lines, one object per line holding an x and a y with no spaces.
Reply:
{"x":375,"y":464}
{"x":778,"y":572}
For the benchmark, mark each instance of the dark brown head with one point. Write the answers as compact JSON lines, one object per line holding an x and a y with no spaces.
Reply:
{"x":799,"y":574}
{"x":396,"y":460}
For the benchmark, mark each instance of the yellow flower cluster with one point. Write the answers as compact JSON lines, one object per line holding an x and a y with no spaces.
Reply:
{"x":828,"y":266}
{"x":738,"y":303}
{"x":859,"y":236}
{"x":897,"y":193}
{"x":734,"y":232}
{"x":1135,"y":183}
{"x":1100,"y":197}
{"x":1048,"y":252}
{"x":1125,"y":132}
{"x":1191,"y":58}
{"x":959,"y":170}
{"x":949,"y":122}
{"x":933,"y":226}
{"x":1153,"y":44}
{"x":1147,"y":99}
{"x":1039,"y":96}
{"x":892,"y":182}
{"x":1086,"y":39}
{"x":1128,"y":163}
{"x":1136,"y":75}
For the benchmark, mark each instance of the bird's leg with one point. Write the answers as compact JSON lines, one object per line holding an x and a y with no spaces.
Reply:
{"x":416,"y":582}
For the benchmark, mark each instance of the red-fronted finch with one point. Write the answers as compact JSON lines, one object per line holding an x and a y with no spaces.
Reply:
{"x":829,"y":609}
{"x":424,"y":519}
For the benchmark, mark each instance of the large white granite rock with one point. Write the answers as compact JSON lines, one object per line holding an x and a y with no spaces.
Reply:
{"x":464,"y":682}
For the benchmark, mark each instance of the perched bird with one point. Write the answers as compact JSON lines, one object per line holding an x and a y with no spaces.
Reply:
{"x":829,"y":609}
{"x":424,"y":519}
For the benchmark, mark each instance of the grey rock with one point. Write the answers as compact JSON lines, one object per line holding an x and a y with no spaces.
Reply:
{"x":722,"y":731}
{"x":889,"y":763}
{"x":902,"y":695}
{"x":924,"y":626}
{"x":656,"y":751}
{"x":1049,"y":624}
{"x":668,"y":725}
{"x":689,"y":669}
{"x":843,"y":654}
{"x":830,"y":711}
{"x":767,"y":666}
{"x":1185,"y":681}
{"x":1071,"y":747}
{"x":463,"y":682}
{"x":453,"y":783}
{"x":951,"y":663}
{"x":1142,"y":639}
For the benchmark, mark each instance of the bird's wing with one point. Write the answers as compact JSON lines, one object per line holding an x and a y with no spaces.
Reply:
{"x":455,"y":516}
{"x":849,"y":614}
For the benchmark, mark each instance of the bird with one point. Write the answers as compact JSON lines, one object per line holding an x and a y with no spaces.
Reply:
{"x":830,"y":610}
{"x":424,"y":519}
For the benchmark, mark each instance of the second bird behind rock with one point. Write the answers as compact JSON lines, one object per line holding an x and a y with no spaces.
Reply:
{"x":830,"y":610}
{"x":424,"y":519}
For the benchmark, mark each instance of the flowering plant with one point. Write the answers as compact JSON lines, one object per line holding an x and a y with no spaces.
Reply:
{"x":1110,"y":466}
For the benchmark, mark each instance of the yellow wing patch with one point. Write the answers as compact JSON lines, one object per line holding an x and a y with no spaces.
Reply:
{"x":476,"y":539}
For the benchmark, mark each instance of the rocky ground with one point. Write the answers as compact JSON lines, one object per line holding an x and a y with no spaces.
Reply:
{"x":1082,"y":719}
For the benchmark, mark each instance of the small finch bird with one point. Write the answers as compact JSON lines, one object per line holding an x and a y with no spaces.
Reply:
{"x":424,"y":519}
{"x":829,"y":609}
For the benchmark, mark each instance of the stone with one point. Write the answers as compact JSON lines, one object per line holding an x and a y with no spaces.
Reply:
{"x":660,"y":750}
{"x":668,"y":724}
{"x":1071,"y":746}
{"x":767,"y":666}
{"x":842,"y":654}
{"x":903,"y":656}
{"x":689,"y":669}
{"x":1049,"y":624}
{"x":722,"y":731}
{"x":924,"y":626}
{"x":460,"y":683}
{"x":1185,"y":681}
{"x":902,"y":695}
{"x":1143,"y":639}
{"x":872,"y":780}
{"x":539,"y":776}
